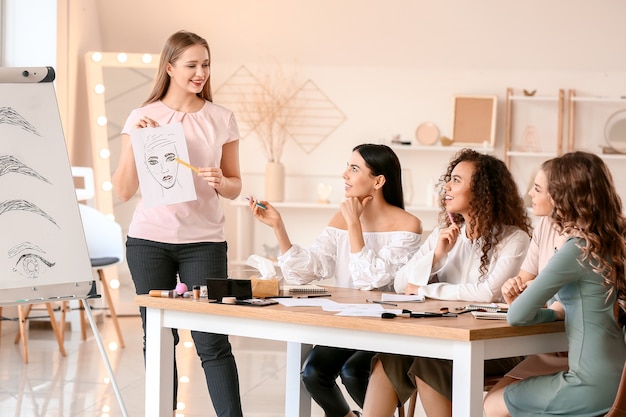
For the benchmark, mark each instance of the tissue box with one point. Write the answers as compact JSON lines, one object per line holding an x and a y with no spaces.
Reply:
{"x":265,"y":287}
{"x":268,"y":287}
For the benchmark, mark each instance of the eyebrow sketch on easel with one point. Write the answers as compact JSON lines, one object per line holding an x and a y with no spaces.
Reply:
{"x":161,"y":180}
{"x":10,"y":164}
{"x":23,"y":205}
{"x":11,"y":117}
{"x":30,"y":264}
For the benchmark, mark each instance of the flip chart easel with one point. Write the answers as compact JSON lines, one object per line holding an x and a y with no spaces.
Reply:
{"x":43,"y":252}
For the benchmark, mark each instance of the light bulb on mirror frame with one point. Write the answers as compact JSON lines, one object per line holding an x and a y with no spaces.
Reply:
{"x":96,"y":56}
{"x":104,"y":153}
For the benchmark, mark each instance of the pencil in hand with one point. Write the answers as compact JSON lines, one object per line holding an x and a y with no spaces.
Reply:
{"x":187,"y":164}
{"x":258,"y":204}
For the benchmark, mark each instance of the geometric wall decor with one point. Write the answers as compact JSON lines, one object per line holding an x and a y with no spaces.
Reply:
{"x":302,"y":113}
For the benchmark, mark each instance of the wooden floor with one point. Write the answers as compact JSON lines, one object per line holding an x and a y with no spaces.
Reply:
{"x":78,"y":385}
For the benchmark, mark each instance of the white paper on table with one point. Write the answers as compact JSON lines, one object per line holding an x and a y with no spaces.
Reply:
{"x":306,"y":302}
{"x":359,"y":306}
{"x":358,"y":310}
{"x":413,"y":298}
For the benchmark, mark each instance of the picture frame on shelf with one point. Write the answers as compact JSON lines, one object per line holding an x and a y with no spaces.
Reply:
{"x":474,"y":120}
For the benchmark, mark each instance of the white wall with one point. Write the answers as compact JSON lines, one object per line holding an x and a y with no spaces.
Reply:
{"x":29,"y":33}
{"x":389,"y":66}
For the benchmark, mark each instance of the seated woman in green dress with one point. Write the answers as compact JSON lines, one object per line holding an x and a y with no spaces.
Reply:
{"x":586,"y":274}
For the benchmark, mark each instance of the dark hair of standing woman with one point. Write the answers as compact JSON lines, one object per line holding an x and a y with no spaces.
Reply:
{"x":382,"y":160}
{"x":587,"y":205}
{"x":174,"y":47}
{"x":495,"y":204}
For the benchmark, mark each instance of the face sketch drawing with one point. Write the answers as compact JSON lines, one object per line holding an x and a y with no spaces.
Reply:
{"x":162,"y":181}
{"x":160,"y":153}
{"x":11,"y":117}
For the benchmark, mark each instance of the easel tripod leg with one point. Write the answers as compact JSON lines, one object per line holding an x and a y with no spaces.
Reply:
{"x":107,"y":296}
{"x":105,"y":358}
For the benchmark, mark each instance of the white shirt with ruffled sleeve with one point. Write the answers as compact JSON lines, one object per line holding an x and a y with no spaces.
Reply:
{"x":374,"y":267}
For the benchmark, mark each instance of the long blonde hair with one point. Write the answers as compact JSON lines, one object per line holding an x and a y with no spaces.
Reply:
{"x":174,"y":47}
{"x":587,"y":205}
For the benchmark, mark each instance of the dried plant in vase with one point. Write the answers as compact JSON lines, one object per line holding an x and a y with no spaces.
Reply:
{"x":268,"y":108}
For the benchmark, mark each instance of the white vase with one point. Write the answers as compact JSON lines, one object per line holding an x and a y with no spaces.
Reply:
{"x":407,"y":186}
{"x":274,"y":182}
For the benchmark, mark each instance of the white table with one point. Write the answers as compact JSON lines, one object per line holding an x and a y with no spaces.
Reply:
{"x":464,"y":340}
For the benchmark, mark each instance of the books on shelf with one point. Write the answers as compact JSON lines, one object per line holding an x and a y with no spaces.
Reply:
{"x":304,"y":289}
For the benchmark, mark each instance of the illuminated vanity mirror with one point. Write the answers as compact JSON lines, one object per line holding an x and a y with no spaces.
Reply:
{"x":615,"y":131}
{"x":116,"y":84}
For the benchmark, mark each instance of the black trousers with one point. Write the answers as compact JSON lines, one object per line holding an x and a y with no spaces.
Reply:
{"x":322,"y":367}
{"x":155,"y":266}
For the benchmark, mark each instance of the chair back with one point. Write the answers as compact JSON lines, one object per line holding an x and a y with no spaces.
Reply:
{"x":103,"y":236}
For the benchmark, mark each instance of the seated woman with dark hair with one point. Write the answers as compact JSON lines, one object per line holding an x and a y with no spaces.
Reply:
{"x":364,"y":245}
{"x":482,"y":241}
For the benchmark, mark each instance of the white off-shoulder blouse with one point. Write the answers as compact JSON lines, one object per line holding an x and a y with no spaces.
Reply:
{"x":374,"y":267}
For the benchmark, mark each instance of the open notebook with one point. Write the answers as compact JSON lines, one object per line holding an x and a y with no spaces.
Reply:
{"x":304,"y":289}
{"x":489,"y":315}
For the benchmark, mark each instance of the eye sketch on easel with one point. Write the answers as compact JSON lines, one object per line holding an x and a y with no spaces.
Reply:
{"x":162,"y":180}
{"x":11,"y":117}
{"x":31,"y":262}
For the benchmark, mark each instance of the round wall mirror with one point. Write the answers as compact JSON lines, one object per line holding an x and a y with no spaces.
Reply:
{"x":615,"y":131}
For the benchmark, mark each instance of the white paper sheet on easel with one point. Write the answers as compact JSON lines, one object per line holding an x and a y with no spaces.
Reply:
{"x":161,"y":178}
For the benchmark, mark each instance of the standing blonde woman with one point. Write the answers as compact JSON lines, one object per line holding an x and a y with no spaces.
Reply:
{"x":186,"y":239}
